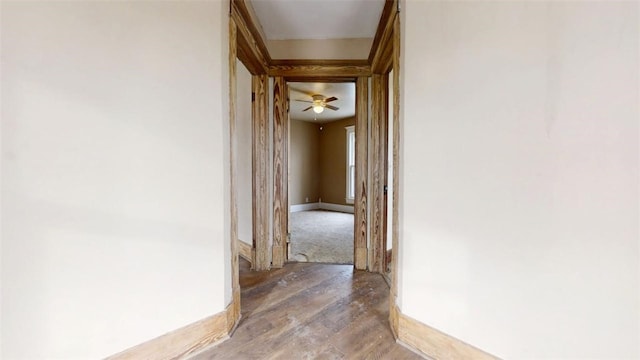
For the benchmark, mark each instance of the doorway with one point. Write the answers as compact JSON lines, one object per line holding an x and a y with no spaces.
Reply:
{"x":321,"y":172}
{"x":270,"y":185}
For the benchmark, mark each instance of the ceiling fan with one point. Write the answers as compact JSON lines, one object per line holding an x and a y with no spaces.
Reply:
{"x":319,"y":103}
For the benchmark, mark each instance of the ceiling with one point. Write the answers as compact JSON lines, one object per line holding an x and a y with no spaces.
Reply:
{"x":345,"y":92}
{"x":314,"y":19}
{"x":328,"y":20}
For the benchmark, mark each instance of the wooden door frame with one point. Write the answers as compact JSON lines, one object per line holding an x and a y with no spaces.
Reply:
{"x":384,"y":57}
{"x":305,"y":72}
{"x":247,"y":45}
{"x":379,"y":121}
{"x":394,"y":35}
{"x":280,"y":171}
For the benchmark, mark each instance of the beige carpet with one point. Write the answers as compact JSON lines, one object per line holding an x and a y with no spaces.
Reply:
{"x":321,"y":236}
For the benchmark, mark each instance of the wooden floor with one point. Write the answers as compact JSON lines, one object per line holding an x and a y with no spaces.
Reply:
{"x":311,"y":311}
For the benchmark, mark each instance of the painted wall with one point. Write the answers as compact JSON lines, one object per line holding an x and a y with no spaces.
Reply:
{"x":520,"y":175}
{"x":244,"y":167}
{"x":304,"y":162}
{"x":320,"y":48}
{"x":390,"y":137}
{"x":333,"y":161}
{"x":114,"y":167}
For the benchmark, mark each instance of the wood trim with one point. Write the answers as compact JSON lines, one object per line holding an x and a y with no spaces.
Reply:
{"x":381,"y":58}
{"x":395,"y":221}
{"x":249,"y":14}
{"x":319,"y":62}
{"x":379,"y":116}
{"x":360,"y":203}
{"x":252,"y":50}
{"x":374,"y":201}
{"x":383,"y":62}
{"x":384,"y":177}
{"x":381,"y":44}
{"x":233,"y":311}
{"x":189,"y":339}
{"x":248,"y":58}
{"x":260,"y":164}
{"x":321,"y":79}
{"x":294,"y":70}
{"x":394,"y":319}
{"x":181,"y":342}
{"x":245,"y":250}
{"x":389,"y":8}
{"x":280,"y":172}
{"x":253,"y":25}
{"x":434,"y":343}
{"x":233,"y":206}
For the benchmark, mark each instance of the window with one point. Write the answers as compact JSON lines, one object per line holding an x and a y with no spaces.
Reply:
{"x":351,"y":164}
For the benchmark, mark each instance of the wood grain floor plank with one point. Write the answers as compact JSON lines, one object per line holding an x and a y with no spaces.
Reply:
{"x":311,"y":311}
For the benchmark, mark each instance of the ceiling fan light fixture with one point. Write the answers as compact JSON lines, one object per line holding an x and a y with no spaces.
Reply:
{"x":318,"y":108}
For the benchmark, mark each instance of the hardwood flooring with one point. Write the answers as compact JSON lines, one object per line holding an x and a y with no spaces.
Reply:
{"x":311,"y":311}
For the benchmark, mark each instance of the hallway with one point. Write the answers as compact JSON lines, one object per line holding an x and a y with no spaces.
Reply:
{"x":311,"y":311}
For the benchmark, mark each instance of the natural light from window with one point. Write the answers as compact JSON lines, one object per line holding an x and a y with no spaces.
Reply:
{"x":351,"y":164}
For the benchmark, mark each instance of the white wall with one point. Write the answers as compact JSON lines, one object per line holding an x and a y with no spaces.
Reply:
{"x":244,"y":167}
{"x":113,"y":173}
{"x":520,"y":175}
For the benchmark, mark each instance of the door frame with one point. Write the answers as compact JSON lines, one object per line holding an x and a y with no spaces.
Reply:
{"x":384,"y":57}
{"x":303,"y":73}
{"x":269,"y":250}
{"x":246,"y":43}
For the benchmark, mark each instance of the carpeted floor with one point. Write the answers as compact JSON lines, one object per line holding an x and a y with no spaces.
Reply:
{"x":321,"y":236}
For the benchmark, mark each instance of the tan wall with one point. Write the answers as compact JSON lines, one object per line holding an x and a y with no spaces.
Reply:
{"x":304,"y":162}
{"x":320,"y":48}
{"x":333,"y":157}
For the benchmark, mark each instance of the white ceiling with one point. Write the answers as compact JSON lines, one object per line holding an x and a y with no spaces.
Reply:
{"x":314,"y":19}
{"x":345,"y":92}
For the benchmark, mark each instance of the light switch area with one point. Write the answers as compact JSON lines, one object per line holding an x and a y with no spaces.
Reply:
{"x":306,"y":199}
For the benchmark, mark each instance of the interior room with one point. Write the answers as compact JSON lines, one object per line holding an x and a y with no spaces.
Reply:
{"x":145,"y":193}
{"x":321,"y":172}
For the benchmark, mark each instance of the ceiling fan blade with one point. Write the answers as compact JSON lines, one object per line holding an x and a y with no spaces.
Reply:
{"x":333,"y":98}
{"x":308,"y":108}
{"x":307,"y":101}
{"x":332,"y":107}
{"x":301,"y":91}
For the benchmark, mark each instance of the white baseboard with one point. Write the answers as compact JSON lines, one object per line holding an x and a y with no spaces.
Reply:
{"x":304,"y":207}
{"x":323,"y":206}
{"x":336,"y":207}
